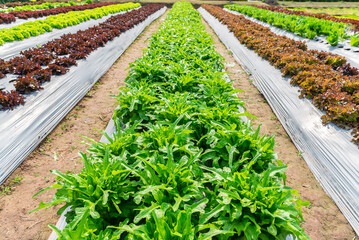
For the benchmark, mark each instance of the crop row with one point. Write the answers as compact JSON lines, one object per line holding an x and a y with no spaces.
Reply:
{"x":36,"y":66}
{"x":325,"y":16}
{"x":308,"y":27}
{"x":45,"y":5}
{"x":182,"y":163}
{"x":35,"y":28}
{"x":353,"y":17}
{"x":11,"y":17}
{"x":15,"y":4}
{"x":323,"y":77}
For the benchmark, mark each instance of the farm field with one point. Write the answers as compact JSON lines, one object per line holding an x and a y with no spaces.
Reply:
{"x":351,"y":13}
{"x":341,"y":4}
{"x":190,"y":158}
{"x":330,"y":11}
{"x":41,"y":6}
{"x":11,"y":16}
{"x":60,"y":21}
{"x":199,"y":2}
{"x":320,"y":60}
{"x":305,"y":24}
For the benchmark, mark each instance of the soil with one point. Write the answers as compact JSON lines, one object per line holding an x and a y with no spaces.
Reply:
{"x":59,"y":151}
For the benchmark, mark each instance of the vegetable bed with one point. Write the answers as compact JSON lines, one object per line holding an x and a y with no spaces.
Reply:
{"x":326,"y":149}
{"x":37,"y":65}
{"x":45,"y":5}
{"x":183,"y":164}
{"x":23,"y":128}
{"x":38,"y":27}
{"x":318,"y":13}
{"x":305,"y":26}
{"x":326,"y":78}
{"x":11,"y":17}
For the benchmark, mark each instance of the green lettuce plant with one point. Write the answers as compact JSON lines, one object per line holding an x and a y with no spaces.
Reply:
{"x":60,"y":21}
{"x":182,"y":163}
{"x":304,"y":26}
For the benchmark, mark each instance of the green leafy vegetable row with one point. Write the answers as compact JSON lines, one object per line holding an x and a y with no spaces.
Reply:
{"x":35,"y":28}
{"x":46,"y":5}
{"x":355,"y":17}
{"x":304,"y":26}
{"x":183,"y":164}
{"x":353,"y":23}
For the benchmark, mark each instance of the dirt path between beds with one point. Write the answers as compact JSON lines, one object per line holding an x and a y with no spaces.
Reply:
{"x":323,"y":219}
{"x":60,"y":151}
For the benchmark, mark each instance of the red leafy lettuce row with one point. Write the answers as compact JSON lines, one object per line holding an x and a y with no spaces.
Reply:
{"x":36,"y":65}
{"x":326,"y":78}
{"x":10,"y":17}
{"x":7,"y":18}
{"x":10,"y":99}
{"x":354,"y":22}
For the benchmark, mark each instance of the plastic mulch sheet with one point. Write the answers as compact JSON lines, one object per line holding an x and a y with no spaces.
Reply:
{"x":328,"y":150}
{"x":23,"y":128}
{"x":9,"y":50}
{"x":319,"y":43}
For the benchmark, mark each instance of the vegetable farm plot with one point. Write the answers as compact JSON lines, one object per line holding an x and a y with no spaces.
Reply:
{"x":319,"y":16}
{"x":351,"y":54}
{"x":337,"y":12}
{"x":332,"y":11}
{"x":33,"y":105}
{"x":18,"y":4}
{"x":33,"y":33}
{"x":43,"y":6}
{"x":12,"y":16}
{"x":182,"y":163}
{"x":181,"y":157}
{"x":59,"y":150}
{"x":327,"y":149}
{"x":335,"y":30}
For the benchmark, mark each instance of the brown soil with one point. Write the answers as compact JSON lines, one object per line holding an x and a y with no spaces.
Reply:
{"x":323,"y":219}
{"x":60,"y":151}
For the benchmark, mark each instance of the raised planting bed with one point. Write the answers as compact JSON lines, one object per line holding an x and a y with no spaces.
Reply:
{"x":182,"y":163}
{"x":326,"y":78}
{"x":38,"y":27}
{"x":344,"y":49}
{"x":305,"y":26}
{"x":44,"y":5}
{"x":23,"y":128}
{"x":327,"y":149}
{"x":14,"y":15}
{"x":325,"y":16}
